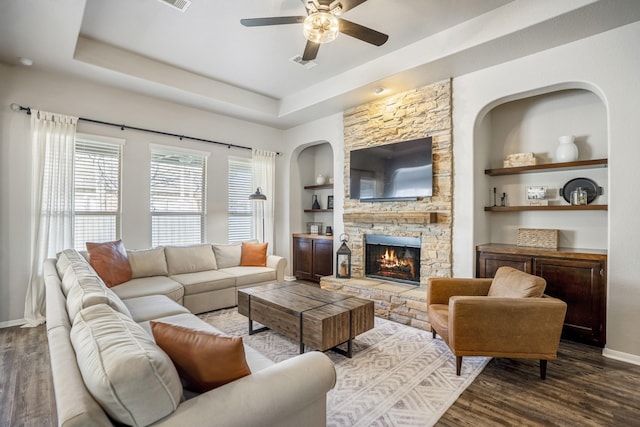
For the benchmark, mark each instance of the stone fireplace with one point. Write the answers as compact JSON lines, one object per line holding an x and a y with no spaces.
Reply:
{"x":392,"y":258}
{"x":418,"y":113}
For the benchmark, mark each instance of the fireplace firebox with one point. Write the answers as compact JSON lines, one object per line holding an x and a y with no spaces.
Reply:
{"x":394,"y":258}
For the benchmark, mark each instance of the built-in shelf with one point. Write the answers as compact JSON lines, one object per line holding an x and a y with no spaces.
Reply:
{"x":546,"y":208}
{"x":318,"y":187}
{"x":549,"y":167}
{"x":318,"y":210}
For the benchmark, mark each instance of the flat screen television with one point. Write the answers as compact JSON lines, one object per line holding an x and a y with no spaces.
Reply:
{"x":400,"y":170}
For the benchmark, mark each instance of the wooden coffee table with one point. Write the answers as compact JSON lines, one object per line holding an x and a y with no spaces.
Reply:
{"x":314,"y":317}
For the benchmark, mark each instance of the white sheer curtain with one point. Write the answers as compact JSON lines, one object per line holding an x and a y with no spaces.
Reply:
{"x":52,"y":141}
{"x":263,"y":165}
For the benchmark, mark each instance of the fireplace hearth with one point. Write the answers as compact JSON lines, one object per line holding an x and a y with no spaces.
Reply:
{"x":394,"y":258}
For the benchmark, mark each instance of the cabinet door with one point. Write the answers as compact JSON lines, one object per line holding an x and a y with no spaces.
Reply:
{"x":581,"y":284}
{"x":322,"y":258}
{"x":487,"y":263}
{"x":303,"y":258}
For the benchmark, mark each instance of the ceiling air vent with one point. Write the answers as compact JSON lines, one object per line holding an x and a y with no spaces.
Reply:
{"x":306,"y":64}
{"x":181,"y":5}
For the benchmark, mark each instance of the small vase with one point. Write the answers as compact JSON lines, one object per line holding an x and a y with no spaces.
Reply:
{"x":315,"y":204}
{"x":567,"y":150}
{"x":320,"y":179}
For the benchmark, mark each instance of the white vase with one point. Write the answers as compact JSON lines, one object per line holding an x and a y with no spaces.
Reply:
{"x":567,"y":150}
{"x":320,"y":179}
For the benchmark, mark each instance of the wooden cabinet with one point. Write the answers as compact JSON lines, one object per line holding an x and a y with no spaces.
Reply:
{"x":312,"y":256}
{"x":578,"y":277}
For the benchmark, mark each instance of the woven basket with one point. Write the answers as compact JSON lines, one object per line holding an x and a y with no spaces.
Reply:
{"x":538,"y":238}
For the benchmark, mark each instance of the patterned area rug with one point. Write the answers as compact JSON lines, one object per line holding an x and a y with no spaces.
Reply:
{"x":398,"y":376}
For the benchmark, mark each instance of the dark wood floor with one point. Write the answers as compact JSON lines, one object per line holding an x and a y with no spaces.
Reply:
{"x":582,"y":388}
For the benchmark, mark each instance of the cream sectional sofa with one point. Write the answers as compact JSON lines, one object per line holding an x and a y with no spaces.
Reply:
{"x":108,"y":370}
{"x":200,"y":277}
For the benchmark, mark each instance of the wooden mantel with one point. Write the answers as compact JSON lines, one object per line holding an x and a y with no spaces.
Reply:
{"x":391,"y":217}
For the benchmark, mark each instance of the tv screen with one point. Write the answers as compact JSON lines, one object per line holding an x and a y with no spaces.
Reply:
{"x":401,"y":170}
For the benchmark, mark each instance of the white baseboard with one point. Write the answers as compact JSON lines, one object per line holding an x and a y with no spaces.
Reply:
{"x":10,"y":323}
{"x":624,"y":357}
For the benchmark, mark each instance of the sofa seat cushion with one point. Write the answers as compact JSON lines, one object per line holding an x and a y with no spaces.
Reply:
{"x":251,"y":275}
{"x":509,"y":282}
{"x":439,"y":319}
{"x":90,"y":290}
{"x":134,"y":381}
{"x":204,"y":359}
{"x":205,"y":281}
{"x":255,"y":359}
{"x":190,"y":259}
{"x":144,"y":286}
{"x":153,"y":307}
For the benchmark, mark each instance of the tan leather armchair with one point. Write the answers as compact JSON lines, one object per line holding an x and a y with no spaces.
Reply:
{"x":474,"y":320}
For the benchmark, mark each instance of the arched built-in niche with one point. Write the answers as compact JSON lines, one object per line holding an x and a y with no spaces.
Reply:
{"x":311,"y":162}
{"x":533,"y":124}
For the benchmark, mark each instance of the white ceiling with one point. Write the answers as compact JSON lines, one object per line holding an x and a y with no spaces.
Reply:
{"x":206,"y":59}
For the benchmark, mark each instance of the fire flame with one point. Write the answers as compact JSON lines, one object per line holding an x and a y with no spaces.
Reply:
{"x":389,"y":260}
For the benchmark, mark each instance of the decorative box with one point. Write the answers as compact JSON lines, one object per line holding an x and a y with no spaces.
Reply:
{"x":519,"y":159}
{"x":314,"y":227}
{"x":538,"y":238}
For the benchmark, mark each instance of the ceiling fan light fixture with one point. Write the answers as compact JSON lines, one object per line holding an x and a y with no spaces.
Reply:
{"x":321,"y":27}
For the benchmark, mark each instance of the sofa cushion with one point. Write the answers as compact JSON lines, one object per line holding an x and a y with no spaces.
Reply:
{"x":133,"y":380}
{"x":66,"y":258}
{"x":205,"y":281}
{"x":205,"y":360}
{"x":89,"y":290}
{"x":148,"y":262}
{"x":153,"y":307}
{"x":110,"y":261}
{"x":144,"y":286}
{"x":227,"y":255}
{"x":511,"y":283}
{"x":253,"y":254}
{"x":251,"y":275}
{"x":190,"y":259}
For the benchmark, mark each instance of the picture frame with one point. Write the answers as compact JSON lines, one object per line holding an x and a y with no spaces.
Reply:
{"x":329,"y":202}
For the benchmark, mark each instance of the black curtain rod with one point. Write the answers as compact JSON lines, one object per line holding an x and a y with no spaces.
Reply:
{"x":17,"y":107}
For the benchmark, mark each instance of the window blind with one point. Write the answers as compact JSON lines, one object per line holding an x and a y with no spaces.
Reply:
{"x":240,"y":209}
{"x":177,"y":197}
{"x":96,"y":216}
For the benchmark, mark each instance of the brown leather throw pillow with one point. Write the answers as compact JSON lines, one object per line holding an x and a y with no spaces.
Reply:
{"x":253,"y":254}
{"x":110,"y":261}
{"x":205,"y":360}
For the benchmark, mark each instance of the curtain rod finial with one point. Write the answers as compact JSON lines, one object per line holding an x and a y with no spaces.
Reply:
{"x":14,"y":106}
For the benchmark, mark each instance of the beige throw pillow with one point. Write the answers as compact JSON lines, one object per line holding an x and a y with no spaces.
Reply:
{"x":148,"y":262}
{"x":511,"y":283}
{"x":190,"y":259}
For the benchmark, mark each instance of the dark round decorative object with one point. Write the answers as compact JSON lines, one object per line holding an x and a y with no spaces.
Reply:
{"x":586,"y":184}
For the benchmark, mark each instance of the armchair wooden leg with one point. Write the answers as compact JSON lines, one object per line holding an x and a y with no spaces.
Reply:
{"x":543,"y":369}
{"x":459,"y":365}
{"x":433,"y":333}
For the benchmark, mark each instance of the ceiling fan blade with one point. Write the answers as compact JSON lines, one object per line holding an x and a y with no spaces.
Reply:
{"x":349,"y":4}
{"x":277,"y":20}
{"x":363,"y":33}
{"x":310,"y":51}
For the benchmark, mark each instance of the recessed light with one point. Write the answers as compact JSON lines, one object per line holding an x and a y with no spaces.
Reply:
{"x":378,"y":90}
{"x":27,"y":62}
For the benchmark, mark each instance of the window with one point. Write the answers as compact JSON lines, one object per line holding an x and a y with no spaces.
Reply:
{"x":177,"y":196}
{"x":240,"y":210}
{"x":96,"y":186}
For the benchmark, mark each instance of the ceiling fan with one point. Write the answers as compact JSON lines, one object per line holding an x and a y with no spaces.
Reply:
{"x":322,"y":24}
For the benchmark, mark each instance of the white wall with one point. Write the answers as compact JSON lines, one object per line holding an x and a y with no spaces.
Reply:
{"x":606,"y":64}
{"x":81,"y":98}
